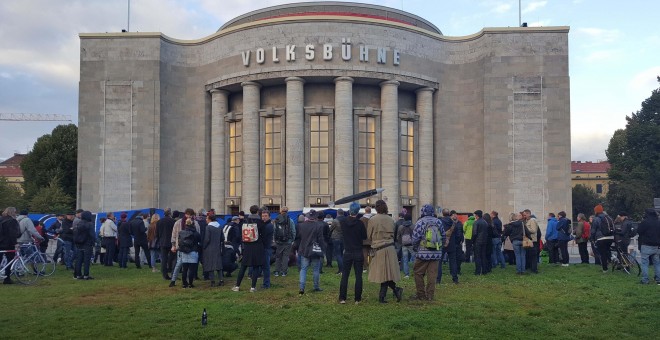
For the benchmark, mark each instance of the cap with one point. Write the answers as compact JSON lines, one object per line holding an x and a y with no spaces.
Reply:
{"x":24,"y":212}
{"x":70,"y":213}
{"x":235,"y":218}
{"x":311,"y":214}
{"x":79,"y":211}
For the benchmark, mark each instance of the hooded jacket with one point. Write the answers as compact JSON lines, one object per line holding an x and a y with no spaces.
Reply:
{"x":27,"y":230}
{"x":419,"y":232}
{"x":452,"y":243}
{"x":467,"y":228}
{"x":9,"y":232}
{"x":551,"y":230}
{"x":649,"y":230}
{"x":87,"y":225}
{"x":563,"y":228}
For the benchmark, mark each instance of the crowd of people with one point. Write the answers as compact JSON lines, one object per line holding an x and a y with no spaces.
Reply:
{"x":359,"y":242}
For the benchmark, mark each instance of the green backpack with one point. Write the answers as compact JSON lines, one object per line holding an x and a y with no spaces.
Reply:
{"x":432,"y":237}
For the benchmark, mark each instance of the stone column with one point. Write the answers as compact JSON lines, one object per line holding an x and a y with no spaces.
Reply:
{"x":344,"y":167}
{"x":251,"y":141}
{"x":425,"y":147}
{"x":389,"y":146}
{"x":219,"y":107}
{"x":294,"y":143}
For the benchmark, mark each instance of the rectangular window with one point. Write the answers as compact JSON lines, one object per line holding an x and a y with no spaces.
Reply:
{"x":319,"y":155}
{"x":599,"y":188}
{"x":407,"y":158}
{"x":366,"y":173}
{"x":235,"y":158}
{"x":273,"y":156}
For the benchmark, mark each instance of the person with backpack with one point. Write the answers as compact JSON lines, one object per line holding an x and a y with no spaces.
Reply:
{"x":253,"y":248}
{"x":581,"y":233}
{"x":427,"y":252}
{"x":384,"y":266}
{"x":336,"y":240}
{"x":188,"y":246}
{"x":404,"y":237}
{"x":602,"y":232}
{"x":181,"y":224}
{"x":84,"y":237}
{"x":285,"y":233}
{"x":564,"y":232}
{"x":450,"y":246}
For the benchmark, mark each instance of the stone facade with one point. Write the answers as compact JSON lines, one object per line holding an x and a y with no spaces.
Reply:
{"x":490,"y":112}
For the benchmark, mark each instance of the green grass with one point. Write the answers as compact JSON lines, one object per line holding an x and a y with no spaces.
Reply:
{"x":575,"y":302}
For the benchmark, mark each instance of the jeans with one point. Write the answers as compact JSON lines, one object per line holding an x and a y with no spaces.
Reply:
{"x":497,"y":256}
{"x":166,"y":261}
{"x":337,"y":251}
{"x":123,"y":257}
{"x":304,"y":264}
{"x":177,"y":266}
{"x":154,"y":256}
{"x":68,"y":254}
{"x":407,"y":257}
{"x":355,"y":260}
{"x":282,"y":252}
{"x":648,"y":251}
{"x":520,"y":255}
{"x":453,"y":268}
{"x":268,"y":252}
{"x":83,"y":256}
{"x":563,"y":248}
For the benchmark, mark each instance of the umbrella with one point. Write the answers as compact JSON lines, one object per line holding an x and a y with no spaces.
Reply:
{"x":358,"y":196}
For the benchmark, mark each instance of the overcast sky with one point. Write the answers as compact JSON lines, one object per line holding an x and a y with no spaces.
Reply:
{"x":614,"y":51}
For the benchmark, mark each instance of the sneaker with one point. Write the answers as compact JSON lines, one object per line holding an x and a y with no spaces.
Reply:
{"x":564,"y":264}
{"x":88,"y":278}
{"x":235,"y":289}
{"x":342,"y":302}
{"x":406,"y":277}
{"x":301,"y":293}
{"x":357,"y":302}
{"x":252,"y":290}
{"x":172,"y":283}
{"x":318,"y":289}
{"x":276,"y":274}
{"x":605,"y":271}
{"x":364,"y":271}
{"x":283,"y":274}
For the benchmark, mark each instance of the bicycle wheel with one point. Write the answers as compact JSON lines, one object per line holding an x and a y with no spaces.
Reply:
{"x":630,"y":265}
{"x":49,"y":265}
{"x":24,"y":273}
{"x":616,"y":265}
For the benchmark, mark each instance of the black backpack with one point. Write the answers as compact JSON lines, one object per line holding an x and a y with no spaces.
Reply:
{"x":282,"y":231}
{"x":186,"y":241}
{"x":606,"y":225}
{"x":81,"y":233}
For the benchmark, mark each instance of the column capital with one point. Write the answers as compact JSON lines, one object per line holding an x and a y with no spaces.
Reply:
{"x":219,"y":91}
{"x":424,"y":89}
{"x":348,"y":79}
{"x":288,"y":79}
{"x":250,"y":83}
{"x":389,"y":82}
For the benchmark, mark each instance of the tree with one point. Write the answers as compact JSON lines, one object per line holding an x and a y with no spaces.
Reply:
{"x":10,"y":195}
{"x":634,"y":156}
{"x":53,"y":156}
{"x":584,"y":200}
{"x":51,"y":199}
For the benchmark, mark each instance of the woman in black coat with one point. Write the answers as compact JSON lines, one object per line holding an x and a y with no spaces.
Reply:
{"x":125,"y":240}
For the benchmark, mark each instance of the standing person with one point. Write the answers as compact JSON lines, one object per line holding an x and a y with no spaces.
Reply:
{"x":427,"y":258}
{"x":622,"y":234}
{"x":164,"y":228}
{"x":460,"y":238}
{"x":181,"y":224}
{"x":479,"y":240}
{"x":109,"y":234}
{"x":515,"y":230}
{"x":366,"y":244}
{"x":404,"y":237}
{"x":498,"y":255}
{"x":54,"y":232}
{"x":125,"y":240}
{"x":154,"y":247}
{"x":450,"y":246}
{"x":84,"y":237}
{"x":551,"y":239}
{"x":254,"y":245}
{"x":602,"y":233}
{"x":268,"y":247}
{"x":468,"y":233}
{"x":232,"y":235}
{"x":563,"y":237}
{"x":66,"y":235}
{"x":532,"y":253}
{"x":649,"y":240}
{"x":328,"y":239}
{"x":9,"y":233}
{"x":139,"y":233}
{"x":212,"y":246}
{"x":285,"y":233}
{"x":311,"y":249}
{"x":353,"y":233}
{"x":336,"y":240}
{"x":384,"y":266}
{"x":188,"y":244}
{"x":581,"y":233}
{"x":27,"y":229}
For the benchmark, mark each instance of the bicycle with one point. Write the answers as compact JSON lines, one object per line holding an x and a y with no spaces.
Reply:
{"x":624,"y":261}
{"x":24,"y":271}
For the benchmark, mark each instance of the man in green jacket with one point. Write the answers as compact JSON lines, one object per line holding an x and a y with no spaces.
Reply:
{"x":467,"y":229}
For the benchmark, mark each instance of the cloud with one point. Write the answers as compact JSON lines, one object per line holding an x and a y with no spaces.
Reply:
{"x":502,"y":8}
{"x":541,"y":23}
{"x":589,"y":146}
{"x":603,"y":56}
{"x":642,"y":83}
{"x":599,"y":35}
{"x":534,"y":5}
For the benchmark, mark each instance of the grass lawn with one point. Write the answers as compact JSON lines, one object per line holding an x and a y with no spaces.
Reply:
{"x":575,"y":302}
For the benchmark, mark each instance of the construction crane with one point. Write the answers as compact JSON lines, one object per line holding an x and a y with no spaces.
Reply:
{"x":33,"y":117}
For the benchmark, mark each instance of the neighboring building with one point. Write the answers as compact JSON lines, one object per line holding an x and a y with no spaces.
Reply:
{"x":11,"y":169}
{"x":592,"y":175}
{"x":302,"y":104}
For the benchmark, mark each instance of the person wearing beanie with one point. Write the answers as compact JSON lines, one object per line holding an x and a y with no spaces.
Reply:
{"x":427,"y":258}
{"x":603,"y":241}
{"x":353,"y":233}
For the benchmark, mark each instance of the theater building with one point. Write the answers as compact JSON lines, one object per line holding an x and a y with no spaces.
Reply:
{"x":302,"y":104}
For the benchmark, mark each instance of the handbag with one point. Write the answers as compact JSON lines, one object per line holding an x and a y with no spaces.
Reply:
{"x":527,"y":242}
{"x":316,"y":250}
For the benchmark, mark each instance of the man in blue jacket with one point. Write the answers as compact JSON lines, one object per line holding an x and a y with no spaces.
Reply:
{"x":564,"y":231}
{"x":551,"y":238}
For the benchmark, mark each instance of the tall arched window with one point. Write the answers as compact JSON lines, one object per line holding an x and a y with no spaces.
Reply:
{"x":235,"y":158}
{"x":407,"y":158}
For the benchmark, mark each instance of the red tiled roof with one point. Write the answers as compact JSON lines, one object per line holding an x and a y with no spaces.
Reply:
{"x":15,"y":160}
{"x":589,"y":166}
{"x":11,"y":172}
